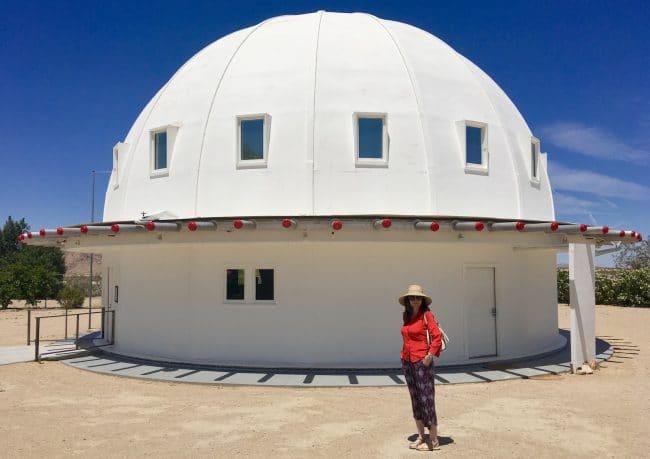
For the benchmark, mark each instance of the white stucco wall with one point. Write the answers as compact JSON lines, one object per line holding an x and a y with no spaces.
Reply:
{"x":336,"y":304}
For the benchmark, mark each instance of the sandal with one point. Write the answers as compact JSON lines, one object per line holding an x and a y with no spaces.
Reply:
{"x":427,"y":445}
{"x":419,"y":441}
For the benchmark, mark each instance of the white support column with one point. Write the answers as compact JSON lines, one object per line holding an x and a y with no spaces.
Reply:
{"x":582,"y":277}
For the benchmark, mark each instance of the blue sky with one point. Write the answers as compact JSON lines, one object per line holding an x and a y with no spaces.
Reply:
{"x":75,"y":75}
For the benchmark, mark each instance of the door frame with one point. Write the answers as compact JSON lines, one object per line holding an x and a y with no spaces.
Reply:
{"x":497,"y":334}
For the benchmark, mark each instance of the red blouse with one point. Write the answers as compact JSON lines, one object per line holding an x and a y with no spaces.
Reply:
{"x":415,"y":338}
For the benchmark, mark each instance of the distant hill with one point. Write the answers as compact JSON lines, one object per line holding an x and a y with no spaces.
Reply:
{"x":78,"y":264}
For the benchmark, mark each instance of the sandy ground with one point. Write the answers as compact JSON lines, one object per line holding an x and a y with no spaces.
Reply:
{"x":51,"y":410}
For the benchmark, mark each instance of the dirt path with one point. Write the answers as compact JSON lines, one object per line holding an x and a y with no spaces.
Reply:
{"x":51,"y":410}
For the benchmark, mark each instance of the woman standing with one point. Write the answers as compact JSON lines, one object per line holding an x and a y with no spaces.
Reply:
{"x":417,"y":355}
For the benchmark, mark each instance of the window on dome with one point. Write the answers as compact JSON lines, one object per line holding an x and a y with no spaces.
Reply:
{"x":474,"y":145}
{"x":474,"y":138}
{"x":371,"y":139}
{"x":235,"y":283}
{"x":534,"y":159}
{"x":160,"y":151}
{"x":264,"y":284}
{"x":162,"y":140}
{"x":252,"y":142}
{"x":118,"y":151}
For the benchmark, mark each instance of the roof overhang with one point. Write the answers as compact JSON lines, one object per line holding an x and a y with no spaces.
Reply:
{"x":516,"y":233}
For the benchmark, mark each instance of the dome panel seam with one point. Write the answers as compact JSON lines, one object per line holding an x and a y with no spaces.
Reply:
{"x":433,"y":205}
{"x":207,"y":119}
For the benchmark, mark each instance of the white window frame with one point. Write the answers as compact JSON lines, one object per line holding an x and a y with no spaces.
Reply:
{"x":119,"y":150}
{"x":275,"y":292}
{"x":253,"y":163}
{"x":172,"y":132}
{"x":226,"y":300}
{"x":249,"y":283}
{"x":471,"y":168}
{"x":371,"y":162}
{"x":534,"y":174}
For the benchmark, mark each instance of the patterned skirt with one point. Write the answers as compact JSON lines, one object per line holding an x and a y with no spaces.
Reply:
{"x":420,"y":381}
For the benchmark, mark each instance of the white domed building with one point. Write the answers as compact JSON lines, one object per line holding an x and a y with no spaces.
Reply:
{"x":277,"y":195}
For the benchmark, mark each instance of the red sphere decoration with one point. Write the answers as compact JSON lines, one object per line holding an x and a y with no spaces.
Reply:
{"x":29,"y":235}
{"x":115,"y":228}
{"x":150,"y":226}
{"x":337,"y":225}
{"x":520,"y":226}
{"x":478,"y":226}
{"x":21,"y":237}
{"x":621,"y":233}
{"x":42,"y":232}
{"x":386,"y":222}
{"x":59,"y":231}
{"x":238,"y":224}
{"x":554,"y":226}
{"x":605,"y":229}
{"x":192,"y":226}
{"x":633,"y":233}
{"x":583,"y":228}
{"x":287,"y":223}
{"x":84,"y":229}
{"x":639,"y":237}
{"x":435,"y":226}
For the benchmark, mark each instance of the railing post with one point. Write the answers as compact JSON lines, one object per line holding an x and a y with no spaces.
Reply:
{"x":113,"y":327}
{"x":37,"y":339}
{"x":102,"y":319}
{"x":76,"y":340}
{"x":66,"y":323}
{"x":29,"y":325}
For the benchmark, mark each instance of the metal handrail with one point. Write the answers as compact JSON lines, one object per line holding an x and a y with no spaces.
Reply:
{"x":37,"y":338}
{"x":29,"y":320}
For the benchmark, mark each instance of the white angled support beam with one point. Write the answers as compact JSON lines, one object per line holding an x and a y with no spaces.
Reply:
{"x":383,"y":223}
{"x":572,"y":228}
{"x":468,"y":226}
{"x":244,"y":224}
{"x":549,"y":227}
{"x":161,"y":226}
{"x":506,"y":226}
{"x":201,"y":226}
{"x":427,"y":225}
{"x":582,"y":277}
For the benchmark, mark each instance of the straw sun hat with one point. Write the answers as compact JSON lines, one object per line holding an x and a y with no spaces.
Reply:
{"x":415,"y":290}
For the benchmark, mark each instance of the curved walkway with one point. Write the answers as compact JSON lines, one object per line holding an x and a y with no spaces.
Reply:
{"x":102,"y":361}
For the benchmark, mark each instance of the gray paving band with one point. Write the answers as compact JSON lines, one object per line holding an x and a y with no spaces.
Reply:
{"x":110,"y":363}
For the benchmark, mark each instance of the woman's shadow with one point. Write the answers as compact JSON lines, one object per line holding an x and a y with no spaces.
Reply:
{"x":442,"y":440}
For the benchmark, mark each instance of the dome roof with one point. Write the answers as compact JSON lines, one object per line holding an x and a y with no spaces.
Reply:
{"x":311,"y":81}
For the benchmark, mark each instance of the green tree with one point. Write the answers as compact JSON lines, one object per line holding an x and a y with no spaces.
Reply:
{"x":7,"y":287}
{"x":9,"y":243}
{"x":633,"y":256}
{"x":33,"y":282}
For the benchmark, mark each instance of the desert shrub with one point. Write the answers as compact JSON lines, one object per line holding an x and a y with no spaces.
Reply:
{"x":71,"y":297}
{"x":623,"y":287}
{"x":562,"y":286}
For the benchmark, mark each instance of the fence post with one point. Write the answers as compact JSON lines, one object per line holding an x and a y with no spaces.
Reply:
{"x":29,"y":325}
{"x":76,"y":340}
{"x":37,"y":339}
{"x":66,"y":323}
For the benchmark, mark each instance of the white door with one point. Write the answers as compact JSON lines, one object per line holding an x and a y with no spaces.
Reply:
{"x":480,"y":308}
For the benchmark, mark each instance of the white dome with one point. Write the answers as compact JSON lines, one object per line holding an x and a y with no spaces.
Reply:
{"x":310,"y":76}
